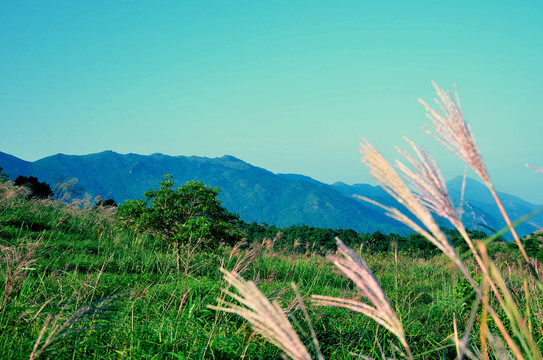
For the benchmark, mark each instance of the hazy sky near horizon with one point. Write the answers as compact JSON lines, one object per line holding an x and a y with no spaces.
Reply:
{"x":287,"y":86}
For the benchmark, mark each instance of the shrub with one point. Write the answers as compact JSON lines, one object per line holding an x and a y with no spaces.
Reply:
{"x":37,"y":189}
{"x":190,"y":214}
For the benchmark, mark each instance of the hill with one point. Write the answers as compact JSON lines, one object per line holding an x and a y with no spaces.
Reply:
{"x":254,"y":193}
{"x":257,"y":194}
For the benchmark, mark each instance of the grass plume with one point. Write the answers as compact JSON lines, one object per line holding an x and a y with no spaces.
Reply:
{"x":452,"y":131}
{"x":267,"y":319}
{"x":14,"y":263}
{"x":380,"y":310}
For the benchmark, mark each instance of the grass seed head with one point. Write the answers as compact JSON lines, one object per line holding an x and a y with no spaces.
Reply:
{"x":391,"y":182}
{"x":452,"y":131}
{"x":356,"y":269}
{"x":427,"y":182}
{"x":267,"y":319}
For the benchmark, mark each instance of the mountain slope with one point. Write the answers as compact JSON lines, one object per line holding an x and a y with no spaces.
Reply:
{"x":477,"y":197}
{"x":260,"y":195}
{"x":14,"y":166}
{"x":254,"y":193}
{"x":479,"y":208}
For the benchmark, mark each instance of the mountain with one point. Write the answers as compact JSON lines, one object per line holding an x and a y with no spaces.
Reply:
{"x":254,"y":193}
{"x":14,"y":165}
{"x":258,"y":194}
{"x":479,"y":208}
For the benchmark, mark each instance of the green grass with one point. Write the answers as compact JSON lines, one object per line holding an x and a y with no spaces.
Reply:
{"x":138,"y":306}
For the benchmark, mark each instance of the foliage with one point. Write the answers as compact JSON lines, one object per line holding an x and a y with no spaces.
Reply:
{"x":37,"y":189}
{"x":189,"y":214}
{"x":144,"y":309}
{"x":106,"y":203}
{"x":301,"y":238}
{"x":322,"y":240}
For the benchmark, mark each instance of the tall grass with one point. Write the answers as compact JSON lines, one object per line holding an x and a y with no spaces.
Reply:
{"x":146,"y":309}
{"x":425,"y":195}
{"x":75,"y":287}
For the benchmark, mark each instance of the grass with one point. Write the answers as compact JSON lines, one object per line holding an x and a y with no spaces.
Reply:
{"x":87,"y":291}
{"x":504,"y":323}
{"x":76,"y":287}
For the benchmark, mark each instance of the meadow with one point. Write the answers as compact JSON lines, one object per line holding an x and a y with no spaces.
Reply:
{"x":76,"y":287}
{"x":79,"y":286}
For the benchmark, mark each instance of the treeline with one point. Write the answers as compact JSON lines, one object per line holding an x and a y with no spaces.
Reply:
{"x":321,"y":240}
{"x":298,"y":238}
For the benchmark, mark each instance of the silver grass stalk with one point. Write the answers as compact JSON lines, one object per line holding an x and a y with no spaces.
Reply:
{"x":429,"y":187}
{"x":453,"y":132}
{"x":427,"y":182}
{"x":267,"y":319}
{"x":58,"y":331}
{"x":15,"y":263}
{"x":537,"y":169}
{"x":391,"y":182}
{"x":380,"y":310}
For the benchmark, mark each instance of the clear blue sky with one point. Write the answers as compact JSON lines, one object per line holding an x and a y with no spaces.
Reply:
{"x":287,"y":86}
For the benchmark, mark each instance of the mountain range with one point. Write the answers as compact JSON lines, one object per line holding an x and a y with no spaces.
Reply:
{"x":259,"y":195}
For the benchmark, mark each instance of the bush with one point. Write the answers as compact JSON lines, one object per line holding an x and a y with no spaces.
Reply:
{"x":190,"y":214}
{"x":37,"y":189}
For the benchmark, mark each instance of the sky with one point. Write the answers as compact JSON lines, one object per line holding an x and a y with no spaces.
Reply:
{"x":288,"y":86}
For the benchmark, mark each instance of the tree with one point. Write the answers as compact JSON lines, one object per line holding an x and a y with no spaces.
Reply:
{"x":106,"y":203}
{"x":377,"y":242}
{"x":37,"y":189}
{"x":188,"y":215}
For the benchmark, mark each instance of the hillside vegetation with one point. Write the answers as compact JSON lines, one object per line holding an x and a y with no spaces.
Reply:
{"x":258,"y":195}
{"x":77,"y":287}
{"x":165,"y":277}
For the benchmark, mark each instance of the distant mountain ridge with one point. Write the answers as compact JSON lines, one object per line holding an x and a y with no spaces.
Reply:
{"x":256,"y":193}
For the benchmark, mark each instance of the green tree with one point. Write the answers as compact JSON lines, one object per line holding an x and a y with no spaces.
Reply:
{"x":377,"y":242}
{"x":188,"y":215}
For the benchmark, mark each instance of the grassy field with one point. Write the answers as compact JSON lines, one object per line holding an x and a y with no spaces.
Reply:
{"x":76,"y":288}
